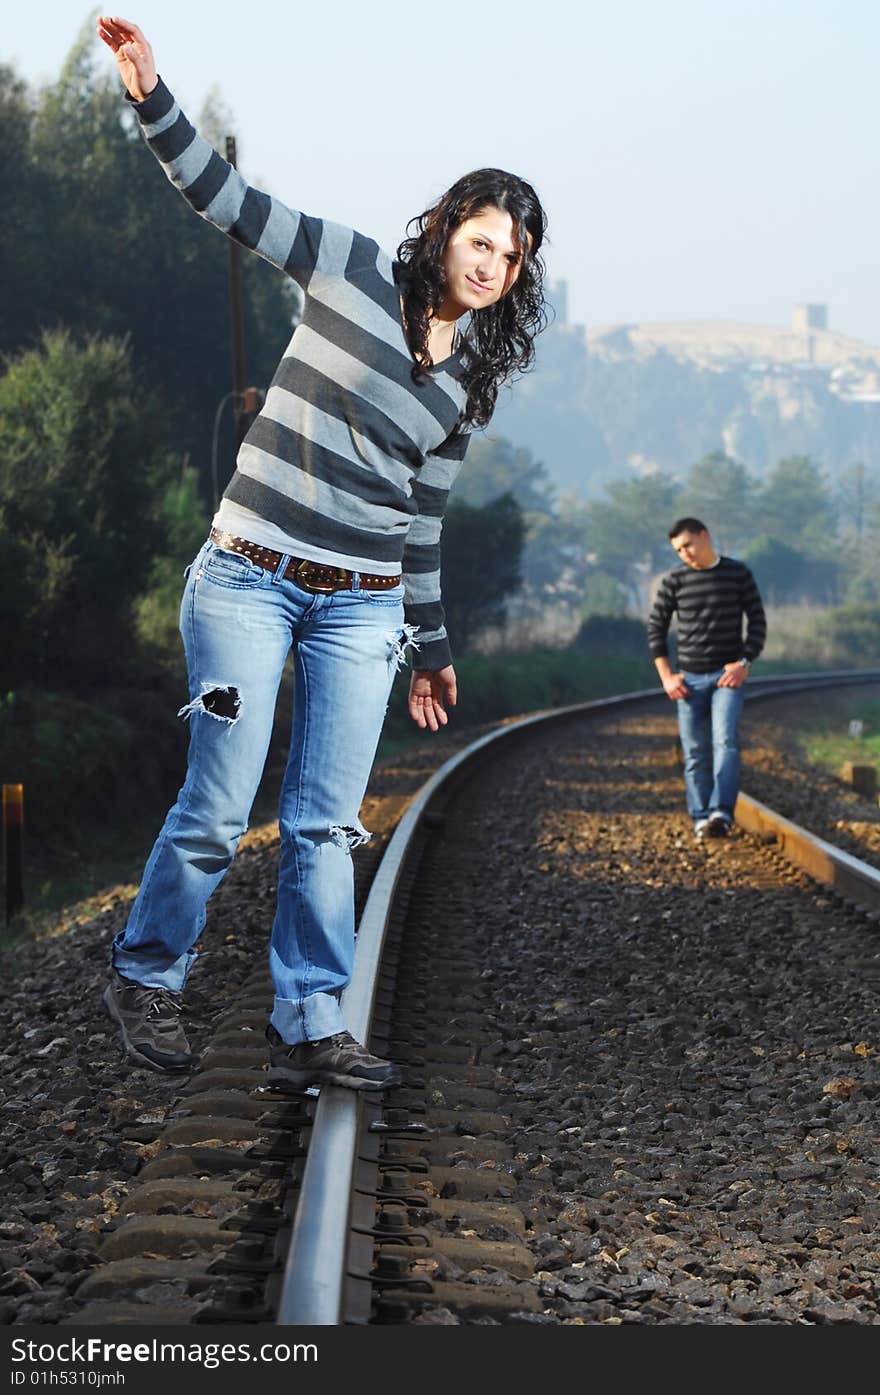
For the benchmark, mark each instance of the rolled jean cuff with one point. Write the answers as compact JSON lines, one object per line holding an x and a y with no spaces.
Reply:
{"x":311,"y":1019}
{"x":153,"y":971}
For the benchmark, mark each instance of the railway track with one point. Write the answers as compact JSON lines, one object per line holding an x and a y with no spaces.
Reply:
{"x":520,"y":1174}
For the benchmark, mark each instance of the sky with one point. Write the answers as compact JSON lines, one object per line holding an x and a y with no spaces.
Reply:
{"x":698,"y":159}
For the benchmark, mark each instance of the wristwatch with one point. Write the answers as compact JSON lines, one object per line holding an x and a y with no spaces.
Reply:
{"x":747,"y":663}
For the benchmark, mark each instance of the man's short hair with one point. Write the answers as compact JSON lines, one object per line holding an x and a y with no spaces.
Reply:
{"x":686,"y":525}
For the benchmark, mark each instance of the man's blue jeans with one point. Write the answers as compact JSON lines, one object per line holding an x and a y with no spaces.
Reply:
{"x":708,"y":723}
{"x":238,"y":623}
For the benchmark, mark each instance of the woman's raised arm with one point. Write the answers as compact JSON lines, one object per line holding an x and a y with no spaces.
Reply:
{"x":211,"y":185}
{"x":134,"y":56}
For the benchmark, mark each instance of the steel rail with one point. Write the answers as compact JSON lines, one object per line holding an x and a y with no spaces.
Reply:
{"x":851,"y":878}
{"x":313,"y":1287}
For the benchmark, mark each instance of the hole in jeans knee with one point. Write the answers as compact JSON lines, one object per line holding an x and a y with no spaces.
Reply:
{"x":217,"y":700}
{"x":349,"y":836}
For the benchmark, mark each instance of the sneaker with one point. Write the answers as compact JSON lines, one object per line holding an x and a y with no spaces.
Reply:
{"x":717,"y":825}
{"x":149,"y":1020}
{"x":336,"y":1060}
{"x":700,"y":827}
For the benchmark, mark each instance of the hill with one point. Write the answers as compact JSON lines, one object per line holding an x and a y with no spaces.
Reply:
{"x":602,"y":402}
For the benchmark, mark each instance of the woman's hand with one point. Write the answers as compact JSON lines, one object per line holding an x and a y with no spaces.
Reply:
{"x":428,"y":690}
{"x":134,"y":57}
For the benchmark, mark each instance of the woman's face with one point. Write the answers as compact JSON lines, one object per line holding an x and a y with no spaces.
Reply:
{"x":481,"y":261}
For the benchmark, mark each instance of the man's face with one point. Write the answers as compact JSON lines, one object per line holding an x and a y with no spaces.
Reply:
{"x":694,"y":548}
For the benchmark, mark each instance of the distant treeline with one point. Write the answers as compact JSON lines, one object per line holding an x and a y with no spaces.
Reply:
{"x":806,"y":541}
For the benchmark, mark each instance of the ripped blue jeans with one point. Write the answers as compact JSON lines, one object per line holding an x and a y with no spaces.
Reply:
{"x":238,"y":623}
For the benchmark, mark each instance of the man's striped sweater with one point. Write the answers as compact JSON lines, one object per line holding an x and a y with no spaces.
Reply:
{"x":350,"y":460}
{"x":710,"y":603}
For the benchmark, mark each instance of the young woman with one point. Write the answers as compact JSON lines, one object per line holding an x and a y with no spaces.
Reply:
{"x":326,"y":542}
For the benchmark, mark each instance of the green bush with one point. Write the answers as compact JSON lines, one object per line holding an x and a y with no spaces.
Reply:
{"x":492,"y":688}
{"x":605,"y":635}
{"x":87,"y":762}
{"x":850,"y":634}
{"x":81,"y":462}
{"x":158,"y":608}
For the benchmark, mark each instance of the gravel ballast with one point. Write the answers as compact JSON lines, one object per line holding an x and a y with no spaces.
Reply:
{"x":685,"y":1040}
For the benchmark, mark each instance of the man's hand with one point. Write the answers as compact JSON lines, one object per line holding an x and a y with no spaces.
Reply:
{"x":675,"y":686}
{"x":429,"y":689}
{"x":134,"y":57}
{"x":734,"y":675}
{"x":673,"y":683}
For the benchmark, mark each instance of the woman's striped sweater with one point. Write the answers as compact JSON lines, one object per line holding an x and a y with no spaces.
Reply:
{"x":350,"y":460}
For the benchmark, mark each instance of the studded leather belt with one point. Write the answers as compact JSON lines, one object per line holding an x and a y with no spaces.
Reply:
{"x":312,"y":576}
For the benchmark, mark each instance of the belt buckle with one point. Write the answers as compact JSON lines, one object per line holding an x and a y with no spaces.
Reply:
{"x":301,"y":576}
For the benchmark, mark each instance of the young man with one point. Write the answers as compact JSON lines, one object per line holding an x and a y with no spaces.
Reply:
{"x":709,"y":595}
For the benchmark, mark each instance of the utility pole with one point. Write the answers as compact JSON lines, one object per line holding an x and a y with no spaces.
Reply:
{"x":13,"y":830}
{"x":236,"y":313}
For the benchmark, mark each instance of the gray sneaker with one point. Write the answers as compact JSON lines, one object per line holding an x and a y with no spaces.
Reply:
{"x":336,"y":1060}
{"x":149,"y":1020}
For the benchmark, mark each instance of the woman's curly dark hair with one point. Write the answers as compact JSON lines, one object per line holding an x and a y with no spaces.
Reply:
{"x":499,"y":340}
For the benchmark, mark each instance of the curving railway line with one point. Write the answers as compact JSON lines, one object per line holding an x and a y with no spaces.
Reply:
{"x":639,"y":1077}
